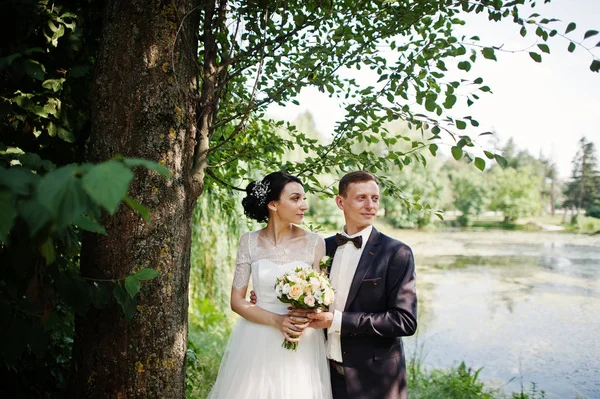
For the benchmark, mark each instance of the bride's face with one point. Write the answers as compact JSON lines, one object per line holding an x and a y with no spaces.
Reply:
{"x":291,"y":205}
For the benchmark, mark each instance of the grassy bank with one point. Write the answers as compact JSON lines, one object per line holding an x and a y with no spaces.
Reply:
{"x":582,"y":224}
{"x":206,"y":347}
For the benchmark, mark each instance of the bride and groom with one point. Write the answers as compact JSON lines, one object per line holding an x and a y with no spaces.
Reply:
{"x":361,"y":354}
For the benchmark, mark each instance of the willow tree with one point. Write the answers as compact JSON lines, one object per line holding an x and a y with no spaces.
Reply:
{"x":186,"y":83}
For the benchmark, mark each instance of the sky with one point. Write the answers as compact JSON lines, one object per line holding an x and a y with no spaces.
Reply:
{"x":545,"y":107}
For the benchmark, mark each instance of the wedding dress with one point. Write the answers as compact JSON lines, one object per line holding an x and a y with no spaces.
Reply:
{"x":254,"y":365}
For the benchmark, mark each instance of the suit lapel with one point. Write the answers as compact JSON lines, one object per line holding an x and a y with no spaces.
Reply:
{"x":366,"y":259}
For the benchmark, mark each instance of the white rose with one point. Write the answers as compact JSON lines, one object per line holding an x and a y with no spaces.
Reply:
{"x":309,"y":300}
{"x":278,"y":290}
{"x":315,"y":283}
{"x":295,"y":292}
{"x":286,"y":289}
{"x":328,"y":297}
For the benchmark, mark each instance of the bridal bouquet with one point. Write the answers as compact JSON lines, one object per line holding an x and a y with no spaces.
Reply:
{"x":304,"y":289}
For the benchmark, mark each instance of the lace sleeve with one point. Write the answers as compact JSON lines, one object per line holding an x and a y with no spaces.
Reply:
{"x":241,"y":276}
{"x":319,"y":252}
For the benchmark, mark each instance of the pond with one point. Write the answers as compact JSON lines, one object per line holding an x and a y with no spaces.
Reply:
{"x":523,"y":306}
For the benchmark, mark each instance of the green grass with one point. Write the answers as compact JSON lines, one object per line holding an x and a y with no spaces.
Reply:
{"x":583,"y":224}
{"x":208,"y":333}
{"x":460,"y":382}
{"x":206,"y":347}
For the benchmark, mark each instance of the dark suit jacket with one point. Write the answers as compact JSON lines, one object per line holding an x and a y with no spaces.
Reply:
{"x":381,"y":308}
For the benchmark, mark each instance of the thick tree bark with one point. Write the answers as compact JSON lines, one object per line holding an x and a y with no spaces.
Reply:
{"x":144,"y":105}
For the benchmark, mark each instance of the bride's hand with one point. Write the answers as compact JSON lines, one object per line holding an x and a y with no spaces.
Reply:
{"x":291,"y":328}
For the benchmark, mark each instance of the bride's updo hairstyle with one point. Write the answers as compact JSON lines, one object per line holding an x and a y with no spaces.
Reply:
{"x":260,"y":193}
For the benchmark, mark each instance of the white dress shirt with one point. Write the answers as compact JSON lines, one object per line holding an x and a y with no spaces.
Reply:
{"x":343,"y":268}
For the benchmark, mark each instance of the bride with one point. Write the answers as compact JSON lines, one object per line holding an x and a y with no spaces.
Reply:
{"x":255,"y":365}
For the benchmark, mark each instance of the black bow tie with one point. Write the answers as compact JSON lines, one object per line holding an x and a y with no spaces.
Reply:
{"x":342,"y":239}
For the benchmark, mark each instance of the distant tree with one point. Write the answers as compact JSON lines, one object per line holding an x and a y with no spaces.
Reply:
{"x":515,"y":193}
{"x":583,"y":190}
{"x":471,"y":193}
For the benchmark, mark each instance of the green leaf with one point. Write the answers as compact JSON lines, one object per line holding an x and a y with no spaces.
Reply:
{"x":127,"y":303}
{"x":47,"y":250}
{"x":488,"y":53}
{"x":544,"y":48}
{"x":85,"y":222}
{"x":139,"y":208}
{"x":31,"y":160}
{"x":35,"y":214}
{"x":62,"y":194}
{"x":433,"y":149}
{"x":53,"y":84}
{"x":464,"y":65}
{"x":488,"y":154}
{"x":500,"y":160}
{"x":571,"y":27}
{"x":17,"y":179}
{"x":462,"y":125}
{"x":134,"y":162}
{"x":595,"y":66}
{"x":65,"y":134}
{"x":132,"y":285}
{"x":34,"y":69}
{"x":450,"y":101}
{"x":8,"y":214}
{"x":107,"y":183}
{"x":535,"y":56}
{"x":457,"y":152}
{"x":572,"y":47}
{"x":146,"y":274}
{"x":6,"y":61}
{"x":480,"y":163}
{"x":523,"y":31}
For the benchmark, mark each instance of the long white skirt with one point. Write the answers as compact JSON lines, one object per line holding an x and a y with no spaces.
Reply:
{"x":255,"y":366}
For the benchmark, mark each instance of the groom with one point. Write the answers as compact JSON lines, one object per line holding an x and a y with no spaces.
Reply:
{"x":375,"y":301}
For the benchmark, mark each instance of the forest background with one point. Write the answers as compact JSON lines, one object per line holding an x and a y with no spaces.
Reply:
{"x":123,"y":158}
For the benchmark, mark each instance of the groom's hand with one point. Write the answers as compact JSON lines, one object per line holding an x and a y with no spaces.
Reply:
{"x":320,"y":319}
{"x":253,"y":297}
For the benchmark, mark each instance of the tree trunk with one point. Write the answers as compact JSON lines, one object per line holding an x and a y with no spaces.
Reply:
{"x":143,"y":106}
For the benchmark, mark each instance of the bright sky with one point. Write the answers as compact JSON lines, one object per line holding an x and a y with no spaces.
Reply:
{"x":545,"y":107}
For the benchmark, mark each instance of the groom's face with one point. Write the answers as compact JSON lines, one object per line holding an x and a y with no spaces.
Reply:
{"x":360,"y":205}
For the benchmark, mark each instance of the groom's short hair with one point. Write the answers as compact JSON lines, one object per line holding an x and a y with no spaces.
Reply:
{"x":354,"y":177}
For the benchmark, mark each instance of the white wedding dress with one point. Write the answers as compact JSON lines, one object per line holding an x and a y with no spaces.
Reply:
{"x":255,"y":365}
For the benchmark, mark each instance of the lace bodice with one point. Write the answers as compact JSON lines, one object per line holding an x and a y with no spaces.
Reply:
{"x":253,"y":248}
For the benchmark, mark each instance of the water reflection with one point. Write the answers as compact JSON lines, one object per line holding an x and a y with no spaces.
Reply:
{"x":525,"y":311}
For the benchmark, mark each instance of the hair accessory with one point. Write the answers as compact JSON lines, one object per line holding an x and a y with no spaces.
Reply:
{"x":260,"y":191}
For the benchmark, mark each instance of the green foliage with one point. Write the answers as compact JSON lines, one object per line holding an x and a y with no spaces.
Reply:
{"x":216,"y":231}
{"x":45,"y":73}
{"x":514,"y":193}
{"x":457,"y":382}
{"x":316,"y":45}
{"x":40,"y":236}
{"x":470,"y":192}
{"x":583,"y":190}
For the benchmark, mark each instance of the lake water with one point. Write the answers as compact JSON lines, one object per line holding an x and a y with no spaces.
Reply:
{"x":524,"y":306}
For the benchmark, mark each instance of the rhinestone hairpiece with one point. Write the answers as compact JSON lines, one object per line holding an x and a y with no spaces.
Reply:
{"x":260,"y":191}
